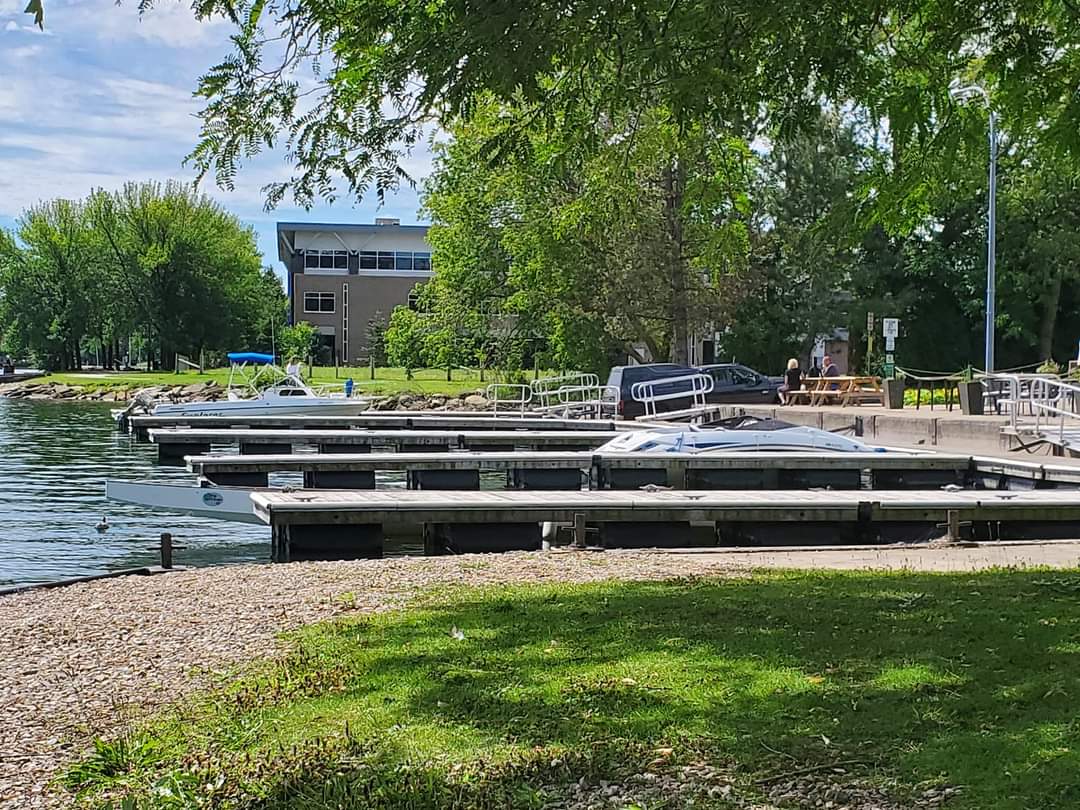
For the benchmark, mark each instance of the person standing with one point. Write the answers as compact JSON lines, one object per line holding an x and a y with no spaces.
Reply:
{"x":293,"y":368}
{"x":792,"y":380}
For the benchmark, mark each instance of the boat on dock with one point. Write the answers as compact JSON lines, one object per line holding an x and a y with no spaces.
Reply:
{"x":746,"y":435}
{"x":257,"y":387}
{"x":221,"y":503}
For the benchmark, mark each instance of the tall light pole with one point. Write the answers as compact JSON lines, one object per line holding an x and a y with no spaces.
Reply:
{"x":965,"y":93}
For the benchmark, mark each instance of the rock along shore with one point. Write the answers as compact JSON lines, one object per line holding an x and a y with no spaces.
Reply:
{"x":212,"y":391}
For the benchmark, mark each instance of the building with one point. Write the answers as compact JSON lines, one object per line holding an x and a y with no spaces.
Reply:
{"x":341,"y":277}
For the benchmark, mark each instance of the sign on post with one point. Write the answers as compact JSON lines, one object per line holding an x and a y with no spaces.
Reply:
{"x":890,"y":359}
{"x":890,"y":327}
{"x":869,"y":322}
{"x":890,"y":343}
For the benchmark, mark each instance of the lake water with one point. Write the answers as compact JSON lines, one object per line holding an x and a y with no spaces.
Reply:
{"x":54,"y":459}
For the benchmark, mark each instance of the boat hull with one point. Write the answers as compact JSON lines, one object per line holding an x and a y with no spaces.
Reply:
{"x":221,"y":503}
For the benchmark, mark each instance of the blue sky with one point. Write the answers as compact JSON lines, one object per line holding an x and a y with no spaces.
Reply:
{"x":102,"y":97}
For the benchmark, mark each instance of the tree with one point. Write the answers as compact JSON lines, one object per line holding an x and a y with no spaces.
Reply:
{"x":298,"y":340}
{"x":617,"y":243}
{"x":405,"y":338}
{"x":192,"y":271}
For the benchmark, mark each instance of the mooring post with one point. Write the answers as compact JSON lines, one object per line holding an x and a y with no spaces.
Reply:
{"x":953,"y":518}
{"x":166,"y":550}
{"x":579,"y":530}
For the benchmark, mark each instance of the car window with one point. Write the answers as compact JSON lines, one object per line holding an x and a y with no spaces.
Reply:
{"x":720,"y":376}
{"x":743,"y":376}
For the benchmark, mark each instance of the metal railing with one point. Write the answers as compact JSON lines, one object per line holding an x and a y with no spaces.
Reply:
{"x":508,"y":397}
{"x":544,"y":389}
{"x":587,"y":401}
{"x":1050,"y":400}
{"x":694,"y":387}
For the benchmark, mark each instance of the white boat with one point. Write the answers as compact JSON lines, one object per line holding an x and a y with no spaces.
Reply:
{"x":693,"y":439}
{"x":257,"y":387}
{"x":222,"y":503}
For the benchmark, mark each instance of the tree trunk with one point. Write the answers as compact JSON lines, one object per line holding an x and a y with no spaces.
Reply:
{"x":674,"y":182}
{"x":1050,"y":301}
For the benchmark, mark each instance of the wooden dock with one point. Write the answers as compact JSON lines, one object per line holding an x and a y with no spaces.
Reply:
{"x":141,"y":426}
{"x":568,"y":470}
{"x":347,"y":523}
{"x":175,"y":443}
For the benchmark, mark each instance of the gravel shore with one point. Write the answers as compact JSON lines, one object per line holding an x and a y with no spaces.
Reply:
{"x":86,"y":658}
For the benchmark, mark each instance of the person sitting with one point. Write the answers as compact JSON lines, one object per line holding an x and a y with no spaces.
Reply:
{"x":792,"y":381}
{"x":830,"y":369}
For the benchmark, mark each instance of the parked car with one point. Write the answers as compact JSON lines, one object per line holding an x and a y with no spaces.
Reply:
{"x":736,"y":383}
{"x":625,"y":377}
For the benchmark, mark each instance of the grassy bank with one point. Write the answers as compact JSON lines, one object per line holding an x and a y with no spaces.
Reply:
{"x":691,"y":693}
{"x":387,"y":380}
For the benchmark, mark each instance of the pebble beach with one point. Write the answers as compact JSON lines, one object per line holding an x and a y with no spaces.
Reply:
{"x":83,"y":660}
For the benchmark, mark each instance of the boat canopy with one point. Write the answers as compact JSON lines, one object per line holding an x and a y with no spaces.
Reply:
{"x":251,"y":357}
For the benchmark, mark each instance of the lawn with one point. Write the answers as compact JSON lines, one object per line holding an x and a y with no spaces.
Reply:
{"x":387,"y":380}
{"x":510,"y":696}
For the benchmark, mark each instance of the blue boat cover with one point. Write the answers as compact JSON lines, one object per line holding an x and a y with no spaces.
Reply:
{"x":250,"y":357}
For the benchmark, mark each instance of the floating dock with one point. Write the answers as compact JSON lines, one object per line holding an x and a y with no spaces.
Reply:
{"x":344,"y":524}
{"x":141,"y":426}
{"x":572,"y":470}
{"x":175,"y":443}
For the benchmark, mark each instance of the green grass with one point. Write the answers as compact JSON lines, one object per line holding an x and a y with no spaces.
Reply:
{"x":971,"y":680}
{"x":387,"y":380}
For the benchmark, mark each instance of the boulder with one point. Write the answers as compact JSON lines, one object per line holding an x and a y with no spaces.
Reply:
{"x":476,"y":401}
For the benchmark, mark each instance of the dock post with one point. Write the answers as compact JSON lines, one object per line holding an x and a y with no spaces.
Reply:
{"x":953,"y":518}
{"x":166,"y":550}
{"x":579,"y":530}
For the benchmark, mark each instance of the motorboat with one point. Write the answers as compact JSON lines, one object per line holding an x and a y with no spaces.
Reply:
{"x":766,"y":436}
{"x":258,"y":387}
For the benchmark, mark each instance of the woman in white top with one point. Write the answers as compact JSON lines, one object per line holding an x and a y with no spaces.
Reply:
{"x":293,"y":368}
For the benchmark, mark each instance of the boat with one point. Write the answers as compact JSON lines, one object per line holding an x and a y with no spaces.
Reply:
{"x":222,"y":503}
{"x":747,"y":436}
{"x":257,"y":387}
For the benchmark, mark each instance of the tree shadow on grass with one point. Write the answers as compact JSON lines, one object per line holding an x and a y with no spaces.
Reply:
{"x":971,"y":679}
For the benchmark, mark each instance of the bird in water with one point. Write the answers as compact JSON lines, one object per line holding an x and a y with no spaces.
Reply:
{"x":103,"y":525}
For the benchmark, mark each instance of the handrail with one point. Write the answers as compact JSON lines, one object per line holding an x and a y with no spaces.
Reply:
{"x":544,"y":387}
{"x":518,"y":403}
{"x":699,"y":385}
{"x":1047,"y":396}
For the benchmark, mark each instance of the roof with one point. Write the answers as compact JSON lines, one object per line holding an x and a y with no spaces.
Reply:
{"x":288,"y":231}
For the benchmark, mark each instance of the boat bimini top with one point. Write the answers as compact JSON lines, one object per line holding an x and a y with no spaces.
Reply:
{"x":693,"y":439}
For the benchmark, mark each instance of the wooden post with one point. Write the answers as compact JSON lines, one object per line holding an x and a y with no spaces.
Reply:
{"x":448,"y":370}
{"x":953,"y":517}
{"x":371,"y":366}
{"x":166,"y":550}
{"x":579,"y":530}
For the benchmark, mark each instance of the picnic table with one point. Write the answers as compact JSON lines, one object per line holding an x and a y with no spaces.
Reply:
{"x":847,"y":390}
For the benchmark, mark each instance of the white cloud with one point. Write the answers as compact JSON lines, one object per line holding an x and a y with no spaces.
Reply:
{"x":11,"y":26}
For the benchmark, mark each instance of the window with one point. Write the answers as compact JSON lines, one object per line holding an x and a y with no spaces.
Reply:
{"x":404,"y":260}
{"x":386,"y":260}
{"x":326,"y":260}
{"x":422,"y":261}
{"x":318,"y":302}
{"x":369,"y":259}
{"x":414,"y":299}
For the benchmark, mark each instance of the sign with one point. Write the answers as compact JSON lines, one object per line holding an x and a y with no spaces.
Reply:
{"x":890,"y":360}
{"x":890,"y":370}
{"x":890,"y":343}
{"x":869,"y":322}
{"x":890,"y":327}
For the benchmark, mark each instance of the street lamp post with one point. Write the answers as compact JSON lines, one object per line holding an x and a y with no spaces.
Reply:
{"x":964,"y":94}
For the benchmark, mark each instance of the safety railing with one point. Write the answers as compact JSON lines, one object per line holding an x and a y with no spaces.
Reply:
{"x":544,"y":389}
{"x":694,"y":387}
{"x":583,"y":401}
{"x":1053,"y":403}
{"x":508,"y":397}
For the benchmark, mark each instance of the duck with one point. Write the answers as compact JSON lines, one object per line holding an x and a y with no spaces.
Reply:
{"x":103,"y":525}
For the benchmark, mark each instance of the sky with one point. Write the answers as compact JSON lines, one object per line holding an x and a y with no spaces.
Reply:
{"x":102,"y":97}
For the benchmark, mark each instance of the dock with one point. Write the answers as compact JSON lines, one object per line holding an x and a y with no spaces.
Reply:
{"x":344,"y":524}
{"x":141,"y":426}
{"x":573,"y":470}
{"x":175,"y":443}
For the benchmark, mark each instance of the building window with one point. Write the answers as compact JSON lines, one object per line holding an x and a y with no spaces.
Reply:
{"x":422,"y":261}
{"x":318,"y":302}
{"x":386,"y":260}
{"x":414,"y":299}
{"x":369,"y":259}
{"x":326,"y":260}
{"x":403,"y":261}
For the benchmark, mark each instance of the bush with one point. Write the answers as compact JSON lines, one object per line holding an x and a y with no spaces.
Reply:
{"x":405,"y":338}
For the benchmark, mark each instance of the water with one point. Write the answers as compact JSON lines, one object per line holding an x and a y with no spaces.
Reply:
{"x":54,"y":459}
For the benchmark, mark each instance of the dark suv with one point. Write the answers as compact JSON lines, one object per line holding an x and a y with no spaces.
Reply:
{"x":731,"y":383}
{"x":736,"y":383}
{"x":625,"y":377}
